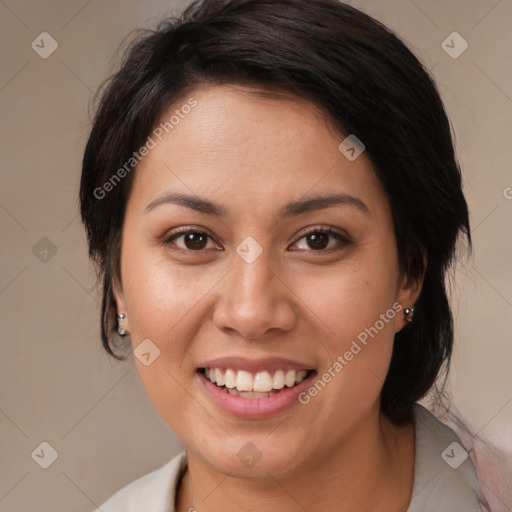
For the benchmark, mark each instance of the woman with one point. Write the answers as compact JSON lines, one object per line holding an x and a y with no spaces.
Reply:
{"x":271,"y":194}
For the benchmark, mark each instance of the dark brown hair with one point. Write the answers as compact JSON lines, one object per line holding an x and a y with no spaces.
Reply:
{"x":366,"y":81}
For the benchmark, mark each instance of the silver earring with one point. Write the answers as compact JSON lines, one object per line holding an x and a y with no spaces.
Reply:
{"x":409,"y":312}
{"x":120,"y":330}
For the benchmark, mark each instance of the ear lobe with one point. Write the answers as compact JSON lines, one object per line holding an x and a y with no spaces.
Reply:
{"x":407,"y":296}
{"x":121,"y":316}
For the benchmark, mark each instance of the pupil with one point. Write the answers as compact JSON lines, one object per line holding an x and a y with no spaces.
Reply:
{"x":318,"y":238}
{"x":195,"y":240}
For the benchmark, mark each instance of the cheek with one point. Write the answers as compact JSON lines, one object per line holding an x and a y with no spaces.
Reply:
{"x":352,"y":297}
{"x":159,"y":298}
{"x":357,"y":308}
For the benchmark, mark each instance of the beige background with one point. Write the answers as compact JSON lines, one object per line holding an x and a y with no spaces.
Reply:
{"x":57,"y":385}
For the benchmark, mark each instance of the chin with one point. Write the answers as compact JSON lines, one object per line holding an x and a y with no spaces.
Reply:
{"x":253,"y":457}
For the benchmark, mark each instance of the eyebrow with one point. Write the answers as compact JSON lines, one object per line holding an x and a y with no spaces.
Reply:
{"x":289,"y":210}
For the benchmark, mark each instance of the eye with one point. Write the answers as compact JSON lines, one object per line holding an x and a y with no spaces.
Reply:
{"x":193,"y":240}
{"x":317,"y":239}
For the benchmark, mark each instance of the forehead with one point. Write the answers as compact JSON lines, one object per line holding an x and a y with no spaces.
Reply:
{"x":238,"y":144}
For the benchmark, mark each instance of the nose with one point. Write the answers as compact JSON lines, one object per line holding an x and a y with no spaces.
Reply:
{"x":254,"y":301}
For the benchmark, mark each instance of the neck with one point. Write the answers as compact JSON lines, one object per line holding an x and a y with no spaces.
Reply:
{"x":372,"y":470}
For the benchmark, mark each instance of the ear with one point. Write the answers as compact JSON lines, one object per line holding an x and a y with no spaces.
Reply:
{"x":119,"y":298}
{"x":407,"y":294}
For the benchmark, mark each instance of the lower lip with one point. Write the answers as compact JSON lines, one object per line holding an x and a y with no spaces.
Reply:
{"x":253,"y":407}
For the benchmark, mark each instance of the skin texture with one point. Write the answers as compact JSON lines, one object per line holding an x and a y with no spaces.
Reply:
{"x":252,"y":155}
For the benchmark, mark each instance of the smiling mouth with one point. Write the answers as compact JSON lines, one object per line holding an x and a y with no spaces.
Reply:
{"x":254,"y":385}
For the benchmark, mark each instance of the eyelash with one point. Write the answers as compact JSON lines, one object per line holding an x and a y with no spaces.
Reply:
{"x":344,"y":239}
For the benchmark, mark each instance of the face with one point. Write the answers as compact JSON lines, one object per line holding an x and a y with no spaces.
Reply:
{"x":267,"y":290}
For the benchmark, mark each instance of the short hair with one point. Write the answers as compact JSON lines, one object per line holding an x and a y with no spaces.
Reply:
{"x":366,"y":81}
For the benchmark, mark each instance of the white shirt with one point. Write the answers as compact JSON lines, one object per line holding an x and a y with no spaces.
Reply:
{"x":444,"y":479}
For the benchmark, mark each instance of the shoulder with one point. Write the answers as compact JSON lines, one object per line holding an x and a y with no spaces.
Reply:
{"x":153,"y":492}
{"x":445,"y":477}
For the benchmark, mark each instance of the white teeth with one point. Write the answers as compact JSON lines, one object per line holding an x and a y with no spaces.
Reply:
{"x":244,"y":381}
{"x":301,"y":375}
{"x":229,"y":378}
{"x":219,"y":378}
{"x":289,"y":379}
{"x":278,"y":380}
{"x":262,"y":383}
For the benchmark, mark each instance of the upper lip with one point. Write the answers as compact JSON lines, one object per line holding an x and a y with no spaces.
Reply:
{"x":255,"y":365}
